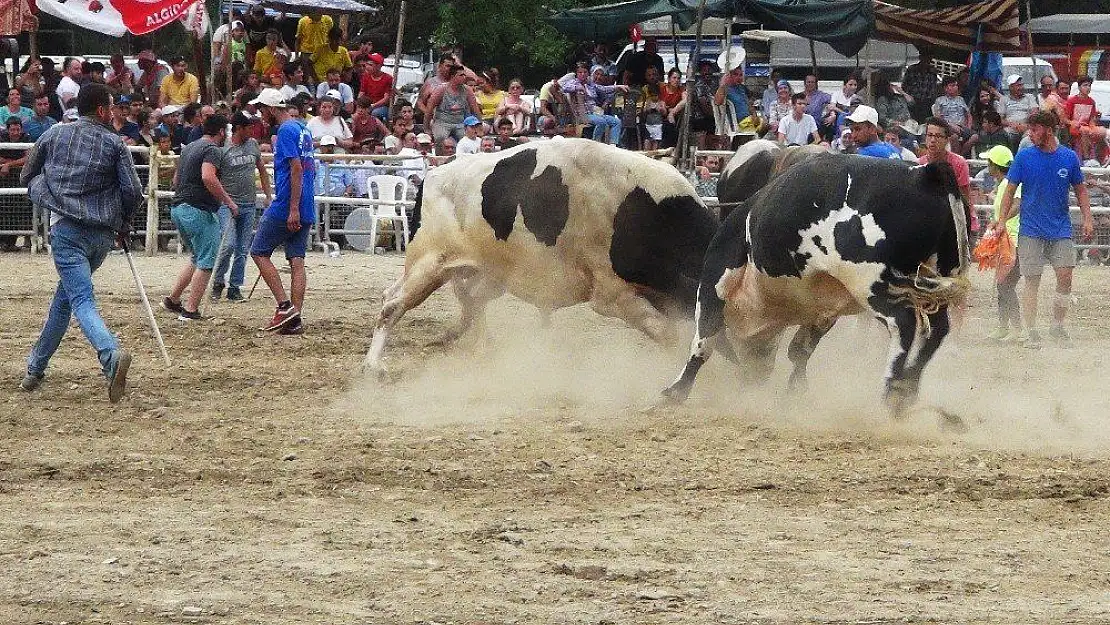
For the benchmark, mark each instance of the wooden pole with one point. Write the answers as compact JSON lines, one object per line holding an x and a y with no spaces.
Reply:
{"x":684,"y":161}
{"x":813,"y":57}
{"x":152,"y":217}
{"x":674,"y":44}
{"x":397,"y":53}
{"x":1029,"y":46}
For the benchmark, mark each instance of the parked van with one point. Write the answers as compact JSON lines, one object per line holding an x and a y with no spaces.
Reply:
{"x":1031,"y":70}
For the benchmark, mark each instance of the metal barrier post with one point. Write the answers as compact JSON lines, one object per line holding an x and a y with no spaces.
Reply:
{"x":152,"y":216}
{"x":35,"y":225}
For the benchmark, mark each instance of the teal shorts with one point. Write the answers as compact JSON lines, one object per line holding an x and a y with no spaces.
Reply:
{"x":200,"y":232}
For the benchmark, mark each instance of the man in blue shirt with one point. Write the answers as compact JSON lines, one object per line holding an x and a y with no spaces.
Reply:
{"x":1046,"y":171}
{"x":865,"y":134}
{"x":41,"y":121}
{"x":732,"y":89}
{"x":288,"y":221}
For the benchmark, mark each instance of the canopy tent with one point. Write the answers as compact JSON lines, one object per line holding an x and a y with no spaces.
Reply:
{"x":323,"y":6}
{"x":1069,"y":23}
{"x":846,"y":25}
{"x":611,"y":21}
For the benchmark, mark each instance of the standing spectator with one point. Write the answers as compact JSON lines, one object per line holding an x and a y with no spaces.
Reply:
{"x":865,"y":134}
{"x":771,"y":94}
{"x":259,"y":26}
{"x":936,"y":150}
{"x":84,"y":177}
{"x":294,"y":82}
{"x":579,"y":83}
{"x":289,"y":218}
{"x":515,"y":108}
{"x":31,"y":83}
{"x":15,"y":109}
{"x":127,"y":130}
{"x":433,"y":83}
{"x":489,"y":98}
{"x":555,"y":115}
{"x":153,"y":74}
{"x":119,"y":78}
{"x":639,"y":61}
{"x":40,"y":121}
{"x":328,"y":124}
{"x":242,"y":159}
{"x":68,"y":87}
{"x":234,"y":59}
{"x":1045,"y":172}
{"x":365,"y":125}
{"x":798,"y":128}
{"x":998,"y":160}
{"x":891,"y":102}
{"x":346,"y":97}
{"x":222,"y":35}
{"x":601,"y":57}
{"x":1015,"y":107}
{"x":954,"y":111}
{"x":471,"y":143}
{"x":1080,"y":110}
{"x":450,"y":105}
{"x":331,"y":56}
{"x":377,"y":86}
{"x":701,"y":107}
{"x":198,"y":197}
{"x":818,"y":101}
{"x":673,"y":95}
{"x":782,"y":107}
{"x":920,"y":83}
{"x":180,"y":87}
{"x":313,"y":31}
{"x":652,"y":110}
{"x":265,"y":57}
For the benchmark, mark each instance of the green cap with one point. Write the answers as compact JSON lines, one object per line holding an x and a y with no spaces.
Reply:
{"x":999,"y":155}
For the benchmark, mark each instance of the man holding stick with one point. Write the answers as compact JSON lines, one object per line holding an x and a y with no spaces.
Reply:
{"x":288,"y":221}
{"x":84,"y":176}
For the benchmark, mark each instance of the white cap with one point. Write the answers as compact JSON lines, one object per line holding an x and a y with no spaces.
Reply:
{"x":334,"y":94}
{"x":391,"y":142}
{"x":327,"y":140}
{"x":424,"y":138}
{"x":270,"y":97}
{"x":731,"y":59}
{"x":864,"y":113}
{"x":1012,"y":78}
{"x":70,"y":115}
{"x":170,"y":109}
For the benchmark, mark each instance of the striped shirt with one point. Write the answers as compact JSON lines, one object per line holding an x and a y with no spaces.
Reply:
{"x":83,"y":171}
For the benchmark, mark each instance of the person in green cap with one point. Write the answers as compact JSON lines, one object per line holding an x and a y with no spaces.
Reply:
{"x":1010,"y":327}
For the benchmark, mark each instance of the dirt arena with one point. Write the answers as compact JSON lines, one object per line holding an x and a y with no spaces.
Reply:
{"x":530,"y":479}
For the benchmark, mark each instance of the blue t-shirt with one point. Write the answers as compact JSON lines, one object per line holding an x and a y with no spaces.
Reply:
{"x":293,"y":141}
{"x":1045,"y":180}
{"x":738,"y":95}
{"x":880,"y":149}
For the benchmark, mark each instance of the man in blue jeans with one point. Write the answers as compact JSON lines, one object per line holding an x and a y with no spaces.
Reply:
{"x":241,"y":160}
{"x":84,"y":176}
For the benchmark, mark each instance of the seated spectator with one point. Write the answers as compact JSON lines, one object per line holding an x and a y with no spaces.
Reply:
{"x":954,"y":111}
{"x":555,"y":115}
{"x":1015,"y":107}
{"x":673,"y":95}
{"x":328,"y":124}
{"x":14,"y":107}
{"x":894,"y":139}
{"x":127,"y":130}
{"x":404,"y":111}
{"x":892,"y":104}
{"x":12,"y":159}
{"x":170,"y":124}
{"x":265,"y":57}
{"x":331,"y":56}
{"x":771,"y":93}
{"x":985,"y":100}
{"x":1081,"y":111}
{"x":505,"y":139}
{"x":40,"y":121}
{"x":346,"y":96}
{"x":294,"y":82}
{"x":152,"y":74}
{"x":581,"y":84}
{"x":840,"y":102}
{"x":471,"y":143}
{"x":798,"y":128}
{"x":990,"y":134}
{"x":377,"y":86}
{"x":445,"y":150}
{"x":180,"y":87}
{"x":252,"y":85}
{"x":489,"y":144}
{"x":95,"y":72}
{"x":781,"y":107}
{"x":196,"y":130}
{"x":275,"y":76}
{"x":489,"y":98}
{"x":31,"y":82}
{"x":364,"y":124}
{"x":339,"y":181}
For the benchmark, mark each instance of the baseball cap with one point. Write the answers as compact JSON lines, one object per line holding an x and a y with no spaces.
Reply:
{"x":391,"y":142}
{"x":423,"y":138}
{"x":999,"y":155}
{"x":170,"y":109}
{"x":377,"y":58}
{"x":864,"y":113}
{"x":472,"y":121}
{"x":1013,"y":78}
{"x":334,"y":95}
{"x":269,"y":97}
{"x":241,"y":118}
{"x":327,"y":140}
{"x":782,"y":83}
{"x":237,"y":24}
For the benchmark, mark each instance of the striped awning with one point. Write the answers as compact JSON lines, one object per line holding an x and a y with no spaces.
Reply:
{"x":992,"y":24}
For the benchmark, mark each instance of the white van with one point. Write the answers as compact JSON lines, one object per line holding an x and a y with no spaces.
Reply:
{"x":1031,"y":70}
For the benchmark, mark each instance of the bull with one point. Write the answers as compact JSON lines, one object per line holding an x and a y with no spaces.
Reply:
{"x":556,"y":223}
{"x":835,"y":235}
{"x":753,"y":166}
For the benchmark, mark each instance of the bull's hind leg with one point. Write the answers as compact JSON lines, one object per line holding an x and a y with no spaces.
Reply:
{"x":618,"y":299}
{"x":801,"y":349}
{"x":474,"y":291}
{"x":420,"y":280}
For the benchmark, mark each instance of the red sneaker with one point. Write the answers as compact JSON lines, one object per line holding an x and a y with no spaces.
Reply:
{"x":283,"y":318}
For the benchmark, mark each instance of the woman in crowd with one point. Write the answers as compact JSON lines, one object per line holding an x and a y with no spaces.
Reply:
{"x":328,"y":124}
{"x":673,"y":95}
{"x":780,"y":108}
{"x":841,"y":101}
{"x":590,"y":95}
{"x":489,"y":98}
{"x":891,"y":103}
{"x":514,"y":108}
{"x":31,"y":82}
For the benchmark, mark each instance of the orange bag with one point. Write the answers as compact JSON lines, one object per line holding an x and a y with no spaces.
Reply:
{"x":996,"y":249}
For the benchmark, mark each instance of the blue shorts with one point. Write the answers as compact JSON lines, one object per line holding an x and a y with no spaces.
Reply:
{"x":272,"y":233}
{"x":200,"y":232}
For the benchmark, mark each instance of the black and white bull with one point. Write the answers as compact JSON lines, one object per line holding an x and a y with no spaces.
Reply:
{"x":753,"y":166}
{"x":556,"y":223}
{"x":836,"y":235}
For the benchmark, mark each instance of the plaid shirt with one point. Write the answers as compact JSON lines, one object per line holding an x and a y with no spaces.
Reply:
{"x":83,"y":171}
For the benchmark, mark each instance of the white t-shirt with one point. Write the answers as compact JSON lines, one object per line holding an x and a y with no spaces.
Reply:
{"x":66,"y":90}
{"x":798,"y":132}
{"x":220,"y":36}
{"x":336,"y":128}
{"x":346,"y":96}
{"x":467,"y":145}
{"x":288,"y":91}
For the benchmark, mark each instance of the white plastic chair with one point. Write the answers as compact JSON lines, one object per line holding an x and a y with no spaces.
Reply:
{"x":393,"y":189}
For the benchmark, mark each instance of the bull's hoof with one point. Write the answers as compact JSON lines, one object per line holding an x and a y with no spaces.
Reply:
{"x":899,"y":403}
{"x":952,"y":422}
{"x":675,"y":394}
{"x":797,"y":385}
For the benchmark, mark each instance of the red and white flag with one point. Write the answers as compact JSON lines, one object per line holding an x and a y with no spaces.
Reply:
{"x":118,"y":17}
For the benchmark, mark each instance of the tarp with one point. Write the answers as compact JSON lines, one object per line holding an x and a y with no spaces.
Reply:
{"x":1068,"y":23}
{"x":611,"y":21}
{"x":846,"y":25}
{"x":118,"y":17}
{"x":788,"y":50}
{"x":16,"y":16}
{"x":323,"y":6}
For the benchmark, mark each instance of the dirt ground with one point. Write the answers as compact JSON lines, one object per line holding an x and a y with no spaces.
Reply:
{"x":529,"y":478}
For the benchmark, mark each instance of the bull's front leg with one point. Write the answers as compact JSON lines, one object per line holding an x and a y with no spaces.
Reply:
{"x":709,"y":322}
{"x":801,"y":349}
{"x":900,"y":388}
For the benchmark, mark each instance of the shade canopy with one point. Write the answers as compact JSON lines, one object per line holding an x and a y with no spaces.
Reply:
{"x":1068,"y":23}
{"x":611,"y":21}
{"x":323,"y":6}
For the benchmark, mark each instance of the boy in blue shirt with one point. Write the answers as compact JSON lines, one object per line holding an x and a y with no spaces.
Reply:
{"x":1046,"y":171}
{"x":288,"y":221}
{"x":865,"y":134}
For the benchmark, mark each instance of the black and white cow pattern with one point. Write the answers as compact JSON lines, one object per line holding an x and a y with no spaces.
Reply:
{"x":836,"y":235}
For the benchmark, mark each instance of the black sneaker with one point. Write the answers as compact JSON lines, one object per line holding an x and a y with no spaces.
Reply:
{"x":217,"y":290}
{"x":172,"y":306}
{"x":1060,"y":336}
{"x":233,"y":295}
{"x":117,"y":379}
{"x":189,"y":316}
{"x":295,"y":328}
{"x":31,"y":382}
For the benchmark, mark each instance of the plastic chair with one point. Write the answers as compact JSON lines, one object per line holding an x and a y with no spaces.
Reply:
{"x":389,"y":188}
